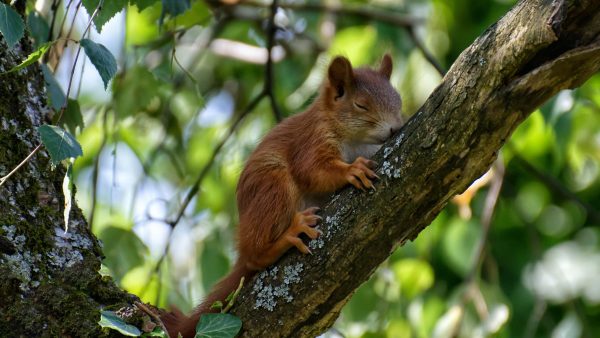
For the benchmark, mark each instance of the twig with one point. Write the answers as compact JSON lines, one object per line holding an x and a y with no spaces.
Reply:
{"x":271,"y":30}
{"x":556,"y":186}
{"x":233,"y":296}
{"x":5,"y":178}
{"x":380,"y":15}
{"x":89,"y":25}
{"x":151,"y":313}
{"x":472,"y":291}
{"x":428,"y":56}
{"x":64,"y":107}
{"x":53,"y":8}
{"x":196,"y":186}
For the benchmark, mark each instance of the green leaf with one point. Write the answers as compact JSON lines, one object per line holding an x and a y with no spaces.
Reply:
{"x":218,"y":325}
{"x":38,"y":28}
{"x":110,"y":320}
{"x":11,"y":25}
{"x":33,"y":57}
{"x":125,"y":252}
{"x":67,"y":188}
{"x":109,"y":9}
{"x":134,"y":91}
{"x":101,"y":58}
{"x":415,"y":276}
{"x":60,"y":144}
{"x":72,"y":118}
{"x":55,"y":92}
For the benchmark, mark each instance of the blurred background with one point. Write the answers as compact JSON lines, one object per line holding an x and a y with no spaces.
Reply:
{"x":517,"y":256}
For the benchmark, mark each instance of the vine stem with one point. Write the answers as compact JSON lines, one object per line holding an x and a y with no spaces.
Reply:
{"x":5,"y":178}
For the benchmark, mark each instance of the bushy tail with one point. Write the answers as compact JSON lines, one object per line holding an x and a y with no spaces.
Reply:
{"x":176,"y":322}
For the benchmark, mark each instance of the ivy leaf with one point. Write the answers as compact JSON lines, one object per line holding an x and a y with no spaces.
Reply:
{"x":33,"y":57}
{"x":109,"y":9}
{"x":67,"y":188}
{"x":60,"y":144}
{"x":55,"y":92}
{"x":111,"y":320}
{"x":11,"y":25}
{"x":101,"y":58}
{"x":218,"y":325}
{"x":38,"y":28}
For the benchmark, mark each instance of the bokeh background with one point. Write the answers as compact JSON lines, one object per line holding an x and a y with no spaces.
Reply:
{"x":521,"y":261}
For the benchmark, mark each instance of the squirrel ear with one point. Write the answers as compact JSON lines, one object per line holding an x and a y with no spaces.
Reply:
{"x":385,"y":68}
{"x":340,"y":75}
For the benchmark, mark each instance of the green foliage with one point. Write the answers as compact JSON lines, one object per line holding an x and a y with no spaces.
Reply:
{"x":218,"y":325}
{"x":110,"y":320}
{"x":11,"y":25}
{"x":101,"y":58}
{"x":55,"y":93}
{"x":123,"y":250}
{"x":38,"y":28}
{"x":60,"y":144}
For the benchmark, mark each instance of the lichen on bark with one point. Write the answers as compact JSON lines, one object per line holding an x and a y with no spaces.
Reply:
{"x":50,"y":285}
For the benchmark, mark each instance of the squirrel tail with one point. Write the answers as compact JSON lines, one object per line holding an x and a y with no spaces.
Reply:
{"x":176,"y":322}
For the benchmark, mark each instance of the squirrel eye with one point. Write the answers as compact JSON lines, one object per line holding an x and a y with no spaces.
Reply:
{"x":361,"y":107}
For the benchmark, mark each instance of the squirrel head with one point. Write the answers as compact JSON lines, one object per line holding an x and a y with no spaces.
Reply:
{"x":362,"y":101}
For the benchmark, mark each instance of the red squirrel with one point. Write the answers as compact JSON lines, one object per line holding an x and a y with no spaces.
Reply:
{"x":302,"y":160}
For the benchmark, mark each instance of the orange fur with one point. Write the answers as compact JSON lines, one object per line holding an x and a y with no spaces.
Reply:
{"x":301,"y":160}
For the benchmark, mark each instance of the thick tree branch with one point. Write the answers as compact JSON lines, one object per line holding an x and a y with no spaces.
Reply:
{"x":537,"y":49}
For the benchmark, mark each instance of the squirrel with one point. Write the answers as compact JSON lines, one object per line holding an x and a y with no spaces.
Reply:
{"x":300,"y":162}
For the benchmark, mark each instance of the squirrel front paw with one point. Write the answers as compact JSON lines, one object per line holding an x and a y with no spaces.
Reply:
{"x":360,"y":173}
{"x":304,"y":222}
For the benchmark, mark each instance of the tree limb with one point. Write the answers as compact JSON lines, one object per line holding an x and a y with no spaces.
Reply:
{"x":537,"y":49}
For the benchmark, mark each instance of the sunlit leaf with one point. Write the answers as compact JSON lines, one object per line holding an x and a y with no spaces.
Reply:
{"x":218,"y":325}
{"x":110,"y":320}
{"x":60,"y":144}
{"x":415,"y":276}
{"x":33,"y":57}
{"x":101,"y":58}
{"x":11,"y":25}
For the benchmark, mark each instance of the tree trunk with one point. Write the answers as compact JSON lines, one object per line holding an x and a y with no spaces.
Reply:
{"x":537,"y":49}
{"x":50,"y":285}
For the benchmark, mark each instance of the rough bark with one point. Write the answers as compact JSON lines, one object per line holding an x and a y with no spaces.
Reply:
{"x":537,"y":49}
{"x":49,"y":284}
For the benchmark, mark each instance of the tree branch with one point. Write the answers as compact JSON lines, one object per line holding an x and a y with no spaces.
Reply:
{"x":537,"y":49}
